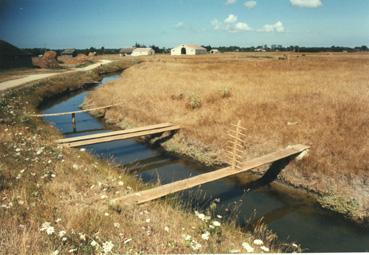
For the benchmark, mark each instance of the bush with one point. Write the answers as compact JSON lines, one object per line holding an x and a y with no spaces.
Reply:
{"x":193,"y":102}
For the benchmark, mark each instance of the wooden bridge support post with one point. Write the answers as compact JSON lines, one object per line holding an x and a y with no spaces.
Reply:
{"x":74,"y":122}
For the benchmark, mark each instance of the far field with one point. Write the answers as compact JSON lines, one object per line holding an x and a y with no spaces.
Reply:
{"x":321,"y":100}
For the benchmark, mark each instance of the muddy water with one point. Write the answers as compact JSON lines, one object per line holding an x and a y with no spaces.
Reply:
{"x":293,"y":217}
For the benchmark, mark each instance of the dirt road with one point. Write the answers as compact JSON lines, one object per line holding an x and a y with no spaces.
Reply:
{"x":33,"y":77}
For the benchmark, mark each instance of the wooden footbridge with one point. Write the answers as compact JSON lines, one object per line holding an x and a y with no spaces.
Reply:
{"x":170,"y":188}
{"x":73,"y":113}
{"x":118,"y":135}
{"x":234,"y":156}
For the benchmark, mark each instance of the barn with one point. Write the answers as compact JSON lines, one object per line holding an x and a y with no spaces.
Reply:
{"x":125,"y":51}
{"x":142,"y":52}
{"x":69,"y":52}
{"x":188,"y":49}
{"x":13,"y":57}
{"x":214,"y":51}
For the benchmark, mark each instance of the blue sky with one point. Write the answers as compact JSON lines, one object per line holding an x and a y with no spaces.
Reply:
{"x":121,"y":23}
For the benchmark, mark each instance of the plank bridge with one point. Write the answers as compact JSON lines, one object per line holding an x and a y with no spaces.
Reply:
{"x":73,"y":113}
{"x":170,"y":188}
{"x":234,"y":159}
{"x":118,"y":135}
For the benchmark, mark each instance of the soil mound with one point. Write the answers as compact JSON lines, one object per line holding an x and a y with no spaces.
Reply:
{"x":48,"y":60}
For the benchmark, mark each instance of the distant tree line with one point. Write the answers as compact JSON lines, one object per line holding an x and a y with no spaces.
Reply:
{"x":102,"y":50}
{"x":293,"y":48}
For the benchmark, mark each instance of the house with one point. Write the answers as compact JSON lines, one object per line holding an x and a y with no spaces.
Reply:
{"x":142,"y":52}
{"x":125,"y":51}
{"x":260,"y":50}
{"x":69,"y":52}
{"x":188,"y":49}
{"x":13,"y":57}
{"x":214,"y":51}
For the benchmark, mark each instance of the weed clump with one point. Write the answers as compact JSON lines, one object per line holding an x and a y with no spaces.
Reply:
{"x":226,"y":92}
{"x":193,"y":102}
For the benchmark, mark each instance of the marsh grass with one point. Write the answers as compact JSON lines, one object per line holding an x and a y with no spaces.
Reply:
{"x":321,"y":100}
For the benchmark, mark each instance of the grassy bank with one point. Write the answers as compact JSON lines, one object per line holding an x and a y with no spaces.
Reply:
{"x":54,"y":200}
{"x":314,"y":99}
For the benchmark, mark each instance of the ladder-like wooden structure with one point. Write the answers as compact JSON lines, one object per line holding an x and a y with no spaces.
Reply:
{"x":118,"y":135}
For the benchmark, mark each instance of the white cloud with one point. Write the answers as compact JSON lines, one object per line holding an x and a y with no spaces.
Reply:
{"x":306,"y":3}
{"x":217,"y":25}
{"x":241,"y":26}
{"x":230,"y":19}
{"x":230,"y":24}
{"x":276,"y":27}
{"x":228,"y":2}
{"x":250,"y":4}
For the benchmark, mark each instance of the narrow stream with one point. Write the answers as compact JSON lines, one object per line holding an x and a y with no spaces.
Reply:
{"x":292,"y":217}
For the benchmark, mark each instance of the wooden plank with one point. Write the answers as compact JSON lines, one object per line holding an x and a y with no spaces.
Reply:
{"x":158,"y":192}
{"x":68,"y":113}
{"x":113,"y":133}
{"x":121,"y":137}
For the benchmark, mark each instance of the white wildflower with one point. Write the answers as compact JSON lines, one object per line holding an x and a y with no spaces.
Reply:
{"x":18,"y":149}
{"x":82,"y":236}
{"x":148,"y":220}
{"x":104,"y":196}
{"x":106,"y":214}
{"x":247,"y":247}
{"x":295,"y":245}
{"x":120,"y":183}
{"x":58,"y":220}
{"x":187,"y":237}
{"x":107,"y":247}
{"x":166,"y":229}
{"x":195,"y":245}
{"x":56,"y":252}
{"x":219,"y":216}
{"x":205,"y":235}
{"x":64,"y":239}
{"x":216,"y":223}
{"x":46,"y":226}
{"x":75,"y":167}
{"x":258,"y":242}
{"x":40,"y":151}
{"x":202,"y":216}
{"x":116,"y":224}
{"x":266,"y":249}
{"x":21,"y":202}
{"x":50,"y":230}
{"x":72,"y":250}
{"x":62,"y":233}
{"x":93,"y":243}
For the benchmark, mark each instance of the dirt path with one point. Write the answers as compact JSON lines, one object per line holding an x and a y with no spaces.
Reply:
{"x":33,"y":77}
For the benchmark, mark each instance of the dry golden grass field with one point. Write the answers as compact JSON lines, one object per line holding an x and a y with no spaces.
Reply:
{"x":55,"y":200}
{"x":321,"y":100}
